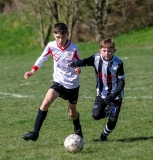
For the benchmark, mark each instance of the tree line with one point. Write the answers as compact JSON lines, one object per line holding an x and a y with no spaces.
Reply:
{"x":87,"y":20}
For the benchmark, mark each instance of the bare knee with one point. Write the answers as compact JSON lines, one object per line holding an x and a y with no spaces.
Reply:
{"x":51,"y":95}
{"x":45,"y":105}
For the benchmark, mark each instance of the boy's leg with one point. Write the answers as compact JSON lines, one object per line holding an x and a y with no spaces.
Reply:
{"x":114,"y":110}
{"x":98,"y":110}
{"x":33,"y":135}
{"x":72,"y":96}
{"x":42,"y":113}
{"x":76,"y":120}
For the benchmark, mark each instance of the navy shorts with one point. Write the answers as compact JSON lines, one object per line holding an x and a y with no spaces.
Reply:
{"x":67,"y":94}
{"x":100,"y":105}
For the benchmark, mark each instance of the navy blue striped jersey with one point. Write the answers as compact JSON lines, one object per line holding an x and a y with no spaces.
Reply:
{"x":108,"y":74}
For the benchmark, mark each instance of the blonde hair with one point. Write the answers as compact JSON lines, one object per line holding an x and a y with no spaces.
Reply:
{"x":107,"y":43}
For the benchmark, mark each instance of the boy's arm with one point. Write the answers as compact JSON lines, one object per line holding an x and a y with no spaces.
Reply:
{"x":44,"y":56}
{"x":85,"y":62}
{"x":120,"y":87}
{"x":30,"y":73}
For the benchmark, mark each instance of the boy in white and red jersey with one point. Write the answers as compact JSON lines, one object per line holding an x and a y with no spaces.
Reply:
{"x":65,"y":79}
{"x":110,"y":83}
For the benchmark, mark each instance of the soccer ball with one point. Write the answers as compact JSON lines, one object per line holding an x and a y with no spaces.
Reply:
{"x":73,"y":143}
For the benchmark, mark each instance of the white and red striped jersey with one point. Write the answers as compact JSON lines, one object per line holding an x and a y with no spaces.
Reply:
{"x":63,"y":73}
{"x":108,"y":74}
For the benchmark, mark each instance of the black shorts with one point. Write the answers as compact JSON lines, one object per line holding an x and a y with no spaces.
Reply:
{"x":113,"y":107}
{"x":67,"y":94}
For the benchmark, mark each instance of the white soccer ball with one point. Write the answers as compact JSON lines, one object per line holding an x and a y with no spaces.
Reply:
{"x":73,"y":143}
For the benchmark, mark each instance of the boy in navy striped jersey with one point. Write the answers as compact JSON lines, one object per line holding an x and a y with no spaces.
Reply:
{"x":109,"y":84}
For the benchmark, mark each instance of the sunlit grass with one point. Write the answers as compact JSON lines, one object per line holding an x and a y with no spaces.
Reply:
{"x":20,"y":99}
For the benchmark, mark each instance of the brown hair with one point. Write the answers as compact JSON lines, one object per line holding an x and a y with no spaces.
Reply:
{"x":107,"y":43}
{"x":60,"y":28}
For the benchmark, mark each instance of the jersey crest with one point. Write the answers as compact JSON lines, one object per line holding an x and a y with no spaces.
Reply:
{"x":113,"y":70}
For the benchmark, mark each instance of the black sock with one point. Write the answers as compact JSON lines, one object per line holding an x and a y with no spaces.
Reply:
{"x":39,"y":120}
{"x":76,"y":123}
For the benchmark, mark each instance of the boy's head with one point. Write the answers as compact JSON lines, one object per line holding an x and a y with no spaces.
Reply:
{"x":107,"y":48}
{"x":60,"y":33}
{"x":60,"y":28}
{"x":107,"y":43}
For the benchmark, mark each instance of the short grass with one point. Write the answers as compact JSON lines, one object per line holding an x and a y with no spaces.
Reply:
{"x":20,"y":99}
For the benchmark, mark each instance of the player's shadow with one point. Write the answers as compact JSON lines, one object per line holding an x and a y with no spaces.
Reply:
{"x":128,"y":139}
{"x":134,"y":139}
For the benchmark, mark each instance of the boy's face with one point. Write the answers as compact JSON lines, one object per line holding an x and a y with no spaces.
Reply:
{"x":107,"y":53}
{"x":61,"y":39}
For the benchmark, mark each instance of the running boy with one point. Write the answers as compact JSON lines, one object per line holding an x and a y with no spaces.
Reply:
{"x":65,"y":79}
{"x":109,"y":84}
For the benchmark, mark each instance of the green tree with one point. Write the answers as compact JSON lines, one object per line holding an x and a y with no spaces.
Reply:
{"x":44,"y":13}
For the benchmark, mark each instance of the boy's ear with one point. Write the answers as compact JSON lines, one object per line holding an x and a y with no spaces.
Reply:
{"x":115,"y":50}
{"x":67,"y":34}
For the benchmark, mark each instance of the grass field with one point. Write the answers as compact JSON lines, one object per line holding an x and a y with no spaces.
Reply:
{"x":20,"y":99}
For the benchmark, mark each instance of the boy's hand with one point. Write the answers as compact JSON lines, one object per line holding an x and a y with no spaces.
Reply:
{"x":76,"y":64}
{"x":78,"y":70}
{"x":28,"y":74}
{"x":108,"y":99}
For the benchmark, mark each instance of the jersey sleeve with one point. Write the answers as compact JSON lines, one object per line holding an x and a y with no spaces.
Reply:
{"x":44,"y":56}
{"x":77,"y":55}
{"x":89,"y":61}
{"x":121,"y":82}
{"x":120,"y":72}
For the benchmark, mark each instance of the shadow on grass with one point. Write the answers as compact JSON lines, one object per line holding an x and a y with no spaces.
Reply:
{"x":128,"y":139}
{"x":96,"y":140}
{"x":134,"y":139}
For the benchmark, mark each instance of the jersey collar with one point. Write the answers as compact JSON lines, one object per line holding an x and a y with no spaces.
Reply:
{"x":68,"y":44}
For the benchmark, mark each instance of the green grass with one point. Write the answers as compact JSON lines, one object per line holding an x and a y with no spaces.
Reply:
{"x":20,"y":99}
